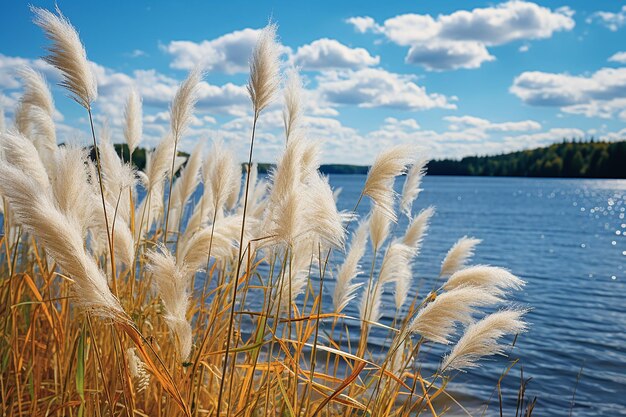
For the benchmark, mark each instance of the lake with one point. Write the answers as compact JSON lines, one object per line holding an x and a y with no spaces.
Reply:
{"x":567,"y":239}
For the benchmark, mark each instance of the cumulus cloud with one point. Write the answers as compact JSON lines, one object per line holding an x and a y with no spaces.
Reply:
{"x":228,"y":53}
{"x":619,"y":57}
{"x":600,"y":94}
{"x":460,"y":39}
{"x":363,"y":24}
{"x":612,"y":21}
{"x":447,"y":55}
{"x":325,"y":53}
{"x":375,"y":87}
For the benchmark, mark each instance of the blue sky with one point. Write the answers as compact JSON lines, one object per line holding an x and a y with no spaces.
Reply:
{"x":454,"y":78}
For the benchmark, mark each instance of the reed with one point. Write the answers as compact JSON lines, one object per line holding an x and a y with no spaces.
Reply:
{"x":246,"y":311}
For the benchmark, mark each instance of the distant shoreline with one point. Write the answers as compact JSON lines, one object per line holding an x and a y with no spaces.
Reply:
{"x":568,"y":159}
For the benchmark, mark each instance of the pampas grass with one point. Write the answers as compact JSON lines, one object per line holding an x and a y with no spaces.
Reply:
{"x":458,"y":255}
{"x":345,"y":288}
{"x":232,"y":317}
{"x":264,"y":69}
{"x":411,"y":188}
{"x":133,"y":127}
{"x":436,"y":320}
{"x":68,"y":55}
{"x":380,"y":178}
{"x":35,"y":210}
{"x":481,"y":339}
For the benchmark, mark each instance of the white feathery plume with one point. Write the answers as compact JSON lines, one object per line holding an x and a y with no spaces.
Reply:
{"x":379,"y":227}
{"x":417,"y":229}
{"x":285,"y":224}
{"x":201,"y":214}
{"x":345,"y":290}
{"x":369,"y":308}
{"x":287,"y":174}
{"x":411,"y":188}
{"x":220,"y":239}
{"x":458,"y":255}
{"x":172,"y":282}
{"x":137,"y":369}
{"x":43,"y":134}
{"x":185,"y":185}
{"x":292,"y":112}
{"x":68,"y":55}
{"x":325,"y":221}
{"x":481,"y":339}
{"x":61,"y":236}
{"x":21,"y":153}
{"x":310,"y":160}
{"x":118,"y":177}
{"x":396,"y":268}
{"x":157,"y":166}
{"x":258,"y":201}
{"x":396,"y":263}
{"x":184,"y":102}
{"x":490,"y":278}
{"x":221,"y":176}
{"x":234,"y":196}
{"x":36,"y":90}
{"x":437,"y":319}
{"x":401,"y":290}
{"x":264,"y":69}
{"x":21,"y":122}
{"x":123,"y":244}
{"x":380,"y":178}
{"x":73,"y":194}
{"x":133,"y":117}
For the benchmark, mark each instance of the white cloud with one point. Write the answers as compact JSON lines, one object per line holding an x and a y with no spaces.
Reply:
{"x":363,"y":24}
{"x":460,"y":39}
{"x":618,"y":57}
{"x":447,"y":55}
{"x":374,"y":87}
{"x":506,"y":22}
{"x":458,"y":123}
{"x":524,"y":48}
{"x":228,"y":53}
{"x":612,"y":21}
{"x":325,"y":53}
{"x":598,"y":95}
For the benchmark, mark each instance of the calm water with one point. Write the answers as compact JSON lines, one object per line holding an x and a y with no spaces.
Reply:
{"x":567,"y":239}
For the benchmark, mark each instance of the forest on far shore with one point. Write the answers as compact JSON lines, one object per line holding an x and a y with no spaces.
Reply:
{"x":568,"y":159}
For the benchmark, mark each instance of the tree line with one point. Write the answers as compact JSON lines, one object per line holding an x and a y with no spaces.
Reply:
{"x":568,"y":159}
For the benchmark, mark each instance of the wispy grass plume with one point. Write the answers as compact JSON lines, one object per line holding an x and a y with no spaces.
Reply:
{"x":68,"y":55}
{"x":481,"y":339}
{"x":133,"y":118}
{"x":380,"y":178}
{"x":264,"y":69}
{"x":458,"y":255}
